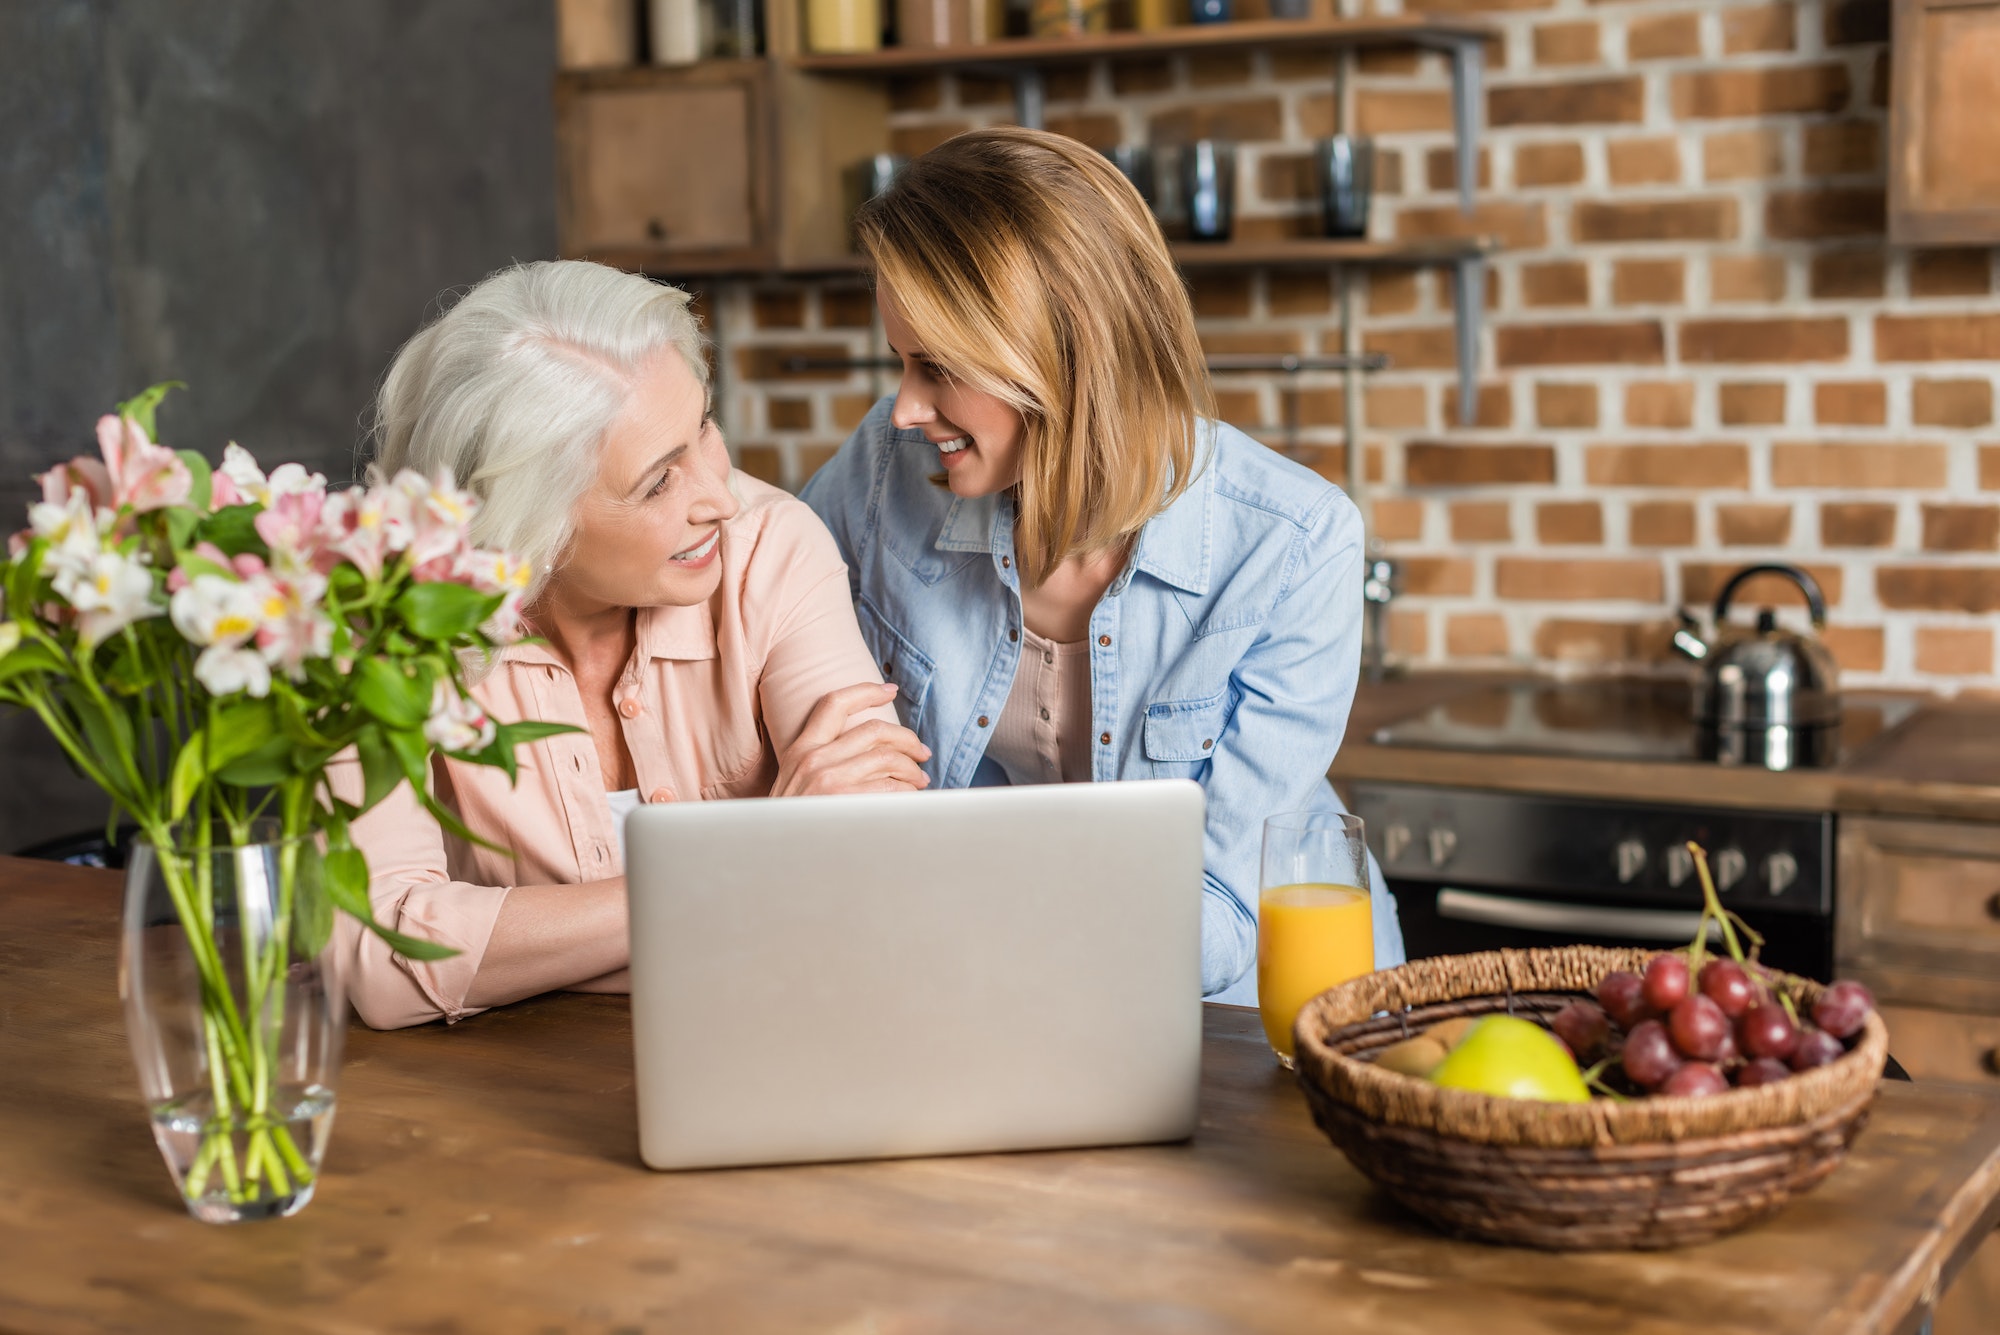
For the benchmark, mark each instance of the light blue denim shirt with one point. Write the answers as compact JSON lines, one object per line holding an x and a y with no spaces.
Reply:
{"x":1225,"y":652}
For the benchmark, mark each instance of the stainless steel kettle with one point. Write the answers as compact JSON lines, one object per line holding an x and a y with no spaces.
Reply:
{"x":1766,"y":696}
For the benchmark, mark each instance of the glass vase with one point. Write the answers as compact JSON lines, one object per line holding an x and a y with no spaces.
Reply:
{"x":236,"y":1015}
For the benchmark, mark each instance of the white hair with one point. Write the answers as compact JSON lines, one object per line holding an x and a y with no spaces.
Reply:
{"x":513,"y":388}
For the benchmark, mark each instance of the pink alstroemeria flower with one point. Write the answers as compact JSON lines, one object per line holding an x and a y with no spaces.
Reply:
{"x":144,"y":476}
{"x":291,"y":525}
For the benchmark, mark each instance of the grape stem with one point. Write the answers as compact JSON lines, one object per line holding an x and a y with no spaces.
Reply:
{"x":1711,"y":909}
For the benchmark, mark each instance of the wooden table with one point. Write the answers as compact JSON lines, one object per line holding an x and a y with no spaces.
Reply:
{"x":486,"y":1178}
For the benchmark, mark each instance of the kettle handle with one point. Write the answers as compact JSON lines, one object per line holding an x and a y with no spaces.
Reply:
{"x":1815,"y":601}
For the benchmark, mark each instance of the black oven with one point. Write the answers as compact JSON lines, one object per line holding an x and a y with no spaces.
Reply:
{"x":1478,"y":870}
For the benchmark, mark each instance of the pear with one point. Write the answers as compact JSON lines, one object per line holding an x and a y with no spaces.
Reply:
{"x":1512,"y":1058}
{"x":1417,"y":1056}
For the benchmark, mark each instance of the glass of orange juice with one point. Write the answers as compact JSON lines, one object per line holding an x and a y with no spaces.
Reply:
{"x":1314,"y":924}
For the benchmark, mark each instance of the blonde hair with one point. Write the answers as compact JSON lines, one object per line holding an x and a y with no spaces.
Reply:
{"x":513,"y":388}
{"x":1033,"y":271}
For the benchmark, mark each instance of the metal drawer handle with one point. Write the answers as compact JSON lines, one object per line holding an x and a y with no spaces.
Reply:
{"x":1993,"y":905}
{"x":1539,"y":915}
{"x":1991,"y":1061}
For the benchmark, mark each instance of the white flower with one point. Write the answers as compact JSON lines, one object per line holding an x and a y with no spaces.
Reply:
{"x":439,"y":514}
{"x":491,"y":572}
{"x":457,"y":723}
{"x":240,"y":467}
{"x":226,"y":669}
{"x":75,"y":533}
{"x":114,"y":592}
{"x":10,"y":637}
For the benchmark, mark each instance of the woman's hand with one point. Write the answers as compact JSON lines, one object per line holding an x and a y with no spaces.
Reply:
{"x":830,"y":757}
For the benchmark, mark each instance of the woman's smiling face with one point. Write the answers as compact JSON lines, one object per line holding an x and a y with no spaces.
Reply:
{"x":648,"y":532}
{"x":978,"y":436}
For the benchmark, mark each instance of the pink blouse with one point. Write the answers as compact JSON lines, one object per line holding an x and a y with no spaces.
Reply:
{"x":712,"y":694}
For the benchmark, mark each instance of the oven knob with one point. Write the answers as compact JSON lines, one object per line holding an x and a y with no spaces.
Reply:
{"x":1730,"y":864}
{"x":1631,"y":860}
{"x":1395,"y":842}
{"x":1781,"y":869}
{"x":1442,"y":844}
{"x":1680,"y":865}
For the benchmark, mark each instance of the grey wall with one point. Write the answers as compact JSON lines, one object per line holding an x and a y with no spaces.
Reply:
{"x":260,"y":197}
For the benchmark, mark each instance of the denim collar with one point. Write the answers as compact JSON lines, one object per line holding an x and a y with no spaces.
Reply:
{"x":1173,"y":546}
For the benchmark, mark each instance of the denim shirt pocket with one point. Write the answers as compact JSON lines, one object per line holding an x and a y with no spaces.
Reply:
{"x":1180,"y":734}
{"x":902,"y":663}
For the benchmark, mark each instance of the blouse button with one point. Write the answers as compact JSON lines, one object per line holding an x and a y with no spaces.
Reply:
{"x":1104,"y":641}
{"x":659,"y":795}
{"x":982,"y":720}
{"x":1104,"y":739}
{"x":631,"y":708}
{"x":1045,"y":715}
{"x":578,"y":762}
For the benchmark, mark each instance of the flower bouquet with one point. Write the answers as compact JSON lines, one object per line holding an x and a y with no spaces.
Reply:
{"x":203,"y":643}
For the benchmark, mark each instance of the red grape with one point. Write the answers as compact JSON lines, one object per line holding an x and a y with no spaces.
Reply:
{"x":1666,"y":982}
{"x":1623,"y":996}
{"x":1698,"y":1027}
{"x":1583,"y":1026}
{"x":1726,"y":984}
{"x":1649,"y":1054}
{"x":1766,"y":1031}
{"x":1843,"y":1009}
{"x":1816,"y":1048}
{"x":1730,"y":1054}
{"x":1763,"y":1071}
{"x":1693,"y":1081}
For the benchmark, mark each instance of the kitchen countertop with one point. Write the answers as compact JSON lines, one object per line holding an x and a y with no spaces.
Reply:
{"x":486,"y":1177}
{"x":1943,"y":762}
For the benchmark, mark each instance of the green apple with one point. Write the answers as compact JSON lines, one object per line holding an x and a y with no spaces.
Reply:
{"x":1512,"y":1058}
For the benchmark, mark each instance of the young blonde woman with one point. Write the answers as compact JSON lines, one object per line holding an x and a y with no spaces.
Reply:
{"x":1067,"y":567}
{"x":694,"y":624}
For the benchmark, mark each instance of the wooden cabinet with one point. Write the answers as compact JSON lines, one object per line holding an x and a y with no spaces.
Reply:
{"x":1919,"y":911}
{"x":1944,"y":175}
{"x":1918,"y":920}
{"x":725,"y":166}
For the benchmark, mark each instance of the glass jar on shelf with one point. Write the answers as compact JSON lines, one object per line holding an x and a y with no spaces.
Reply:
{"x":1068,"y":18}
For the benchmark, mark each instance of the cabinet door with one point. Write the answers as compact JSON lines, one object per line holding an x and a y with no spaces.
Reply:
{"x":666,"y":170}
{"x":1944,"y":175}
{"x":1918,"y":916}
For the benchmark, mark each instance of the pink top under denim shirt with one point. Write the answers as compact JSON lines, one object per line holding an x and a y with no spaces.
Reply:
{"x":711,"y":696}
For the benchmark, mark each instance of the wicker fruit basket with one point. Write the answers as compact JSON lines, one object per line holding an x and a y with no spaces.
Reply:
{"x":1603,"y":1175}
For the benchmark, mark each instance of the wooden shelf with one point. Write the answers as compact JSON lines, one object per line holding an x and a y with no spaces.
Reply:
{"x":1316,"y":252}
{"x":1187,"y":39}
{"x":1294,"y":253}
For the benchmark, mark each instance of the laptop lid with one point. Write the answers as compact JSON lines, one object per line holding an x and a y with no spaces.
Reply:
{"x":952,"y":972}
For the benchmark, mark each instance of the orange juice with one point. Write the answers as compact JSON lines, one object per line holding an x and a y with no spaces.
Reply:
{"x":1309,"y":937}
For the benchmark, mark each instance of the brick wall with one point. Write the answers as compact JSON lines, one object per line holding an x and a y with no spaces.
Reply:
{"x":1700,"y":351}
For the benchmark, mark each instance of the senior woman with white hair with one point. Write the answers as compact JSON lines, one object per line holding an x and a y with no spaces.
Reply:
{"x":694,"y":622}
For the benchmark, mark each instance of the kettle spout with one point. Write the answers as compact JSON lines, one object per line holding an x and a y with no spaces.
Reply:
{"x":1687,"y":642}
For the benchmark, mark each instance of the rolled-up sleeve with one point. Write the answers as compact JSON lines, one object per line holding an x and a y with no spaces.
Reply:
{"x":809,"y":640}
{"x":1293,"y":688}
{"x":411,"y":890}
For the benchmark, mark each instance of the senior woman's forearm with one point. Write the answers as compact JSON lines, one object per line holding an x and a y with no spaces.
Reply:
{"x":550,"y":937}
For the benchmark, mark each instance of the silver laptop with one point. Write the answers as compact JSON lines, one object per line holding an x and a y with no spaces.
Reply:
{"x":940,"y":973}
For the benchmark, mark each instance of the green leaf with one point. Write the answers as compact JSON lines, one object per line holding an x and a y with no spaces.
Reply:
{"x":181,"y":524}
{"x":143,"y":406}
{"x":236,"y":731}
{"x":204,"y":481}
{"x":445,"y":611}
{"x":312,"y":907}
{"x":396,"y":700}
{"x":24,"y":576}
{"x":31,"y":656}
{"x":234,"y":529}
{"x":347,"y":884}
{"x":108,"y":731}
{"x":413,"y":753}
{"x":381,"y":771}
{"x":266,"y":766}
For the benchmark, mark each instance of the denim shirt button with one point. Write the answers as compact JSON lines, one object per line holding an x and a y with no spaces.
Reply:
{"x":1013,"y":634}
{"x":982,"y":720}
{"x":1104,"y":641}
{"x":1208,"y":743}
{"x":1006,"y":563}
{"x":1104,"y":739}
